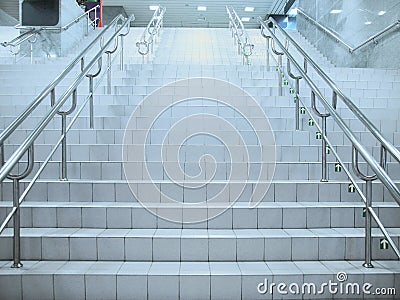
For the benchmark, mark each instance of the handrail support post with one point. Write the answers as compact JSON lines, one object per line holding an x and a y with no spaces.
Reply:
{"x":122,"y":54}
{"x":17,"y":226}
{"x":109,"y":73}
{"x":297,"y":87}
{"x":368,"y":228}
{"x":91,"y":104}
{"x":280,"y":87}
{"x":324,"y":150}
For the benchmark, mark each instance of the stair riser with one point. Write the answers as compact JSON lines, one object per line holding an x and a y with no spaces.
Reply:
{"x":120,"y":192}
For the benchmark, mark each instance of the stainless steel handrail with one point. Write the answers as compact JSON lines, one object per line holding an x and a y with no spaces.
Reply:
{"x":358,"y":148}
{"x":337,"y":38}
{"x":151,"y":30}
{"x":50,"y":89}
{"x":67,"y":26}
{"x":28,"y":143}
{"x":389,"y":147}
{"x":33,"y":32}
{"x":241,"y":38}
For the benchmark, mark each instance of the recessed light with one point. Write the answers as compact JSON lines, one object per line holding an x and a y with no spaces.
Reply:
{"x":381,"y":13}
{"x":368,"y":23}
{"x":336,"y":11}
{"x":202,"y":8}
{"x":293,"y":12}
{"x":153,"y":7}
{"x":249,"y":9}
{"x":245,"y":19}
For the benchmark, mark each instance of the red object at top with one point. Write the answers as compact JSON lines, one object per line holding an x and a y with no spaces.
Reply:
{"x":101,"y":14}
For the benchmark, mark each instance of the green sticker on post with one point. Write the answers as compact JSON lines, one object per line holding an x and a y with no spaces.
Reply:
{"x":384,"y":244}
{"x":303,"y":110}
{"x":310,"y":122}
{"x":364,"y":212}
{"x":351,"y":188}
{"x":291,"y":91}
{"x":318,"y":135}
{"x":277,"y":68}
{"x":285,"y":82}
{"x":338,"y":168}
{"x":328,"y":150}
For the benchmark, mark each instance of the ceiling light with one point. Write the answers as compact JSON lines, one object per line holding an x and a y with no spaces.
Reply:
{"x":249,"y":9}
{"x":153,"y":7}
{"x":245,"y":19}
{"x":202,"y":8}
{"x":293,"y":12}
{"x":368,"y":23}
{"x":381,"y":13}
{"x":336,"y":11}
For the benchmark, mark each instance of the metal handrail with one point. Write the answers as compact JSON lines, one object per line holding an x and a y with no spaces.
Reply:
{"x":151,"y":30}
{"x":67,"y":26}
{"x":33,"y":32}
{"x":245,"y":48}
{"x":389,"y":147}
{"x":358,"y":148}
{"x":50,"y":89}
{"x":28,"y":143}
{"x":337,"y":38}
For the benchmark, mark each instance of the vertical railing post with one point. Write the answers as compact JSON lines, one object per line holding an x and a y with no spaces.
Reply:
{"x":121,"y":59}
{"x":368,"y":227}
{"x":368,"y":205}
{"x":267,"y":53}
{"x":324,"y":150}
{"x":53,"y":97}
{"x":64,"y":114}
{"x":17,"y":216}
{"x":324,"y":177}
{"x":297,"y":91}
{"x":91,"y":103}
{"x":17,"y":226}
{"x":280,"y":74}
{"x":109,"y":73}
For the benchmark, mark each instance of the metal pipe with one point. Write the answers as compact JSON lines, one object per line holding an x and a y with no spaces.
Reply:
{"x":324,"y":150}
{"x":280,"y":86}
{"x":17,"y":227}
{"x":15,"y":157}
{"x":121,"y":58}
{"x":368,"y":228}
{"x":17,"y":121}
{"x":297,"y":112}
{"x":91,"y":103}
{"x":355,"y":110}
{"x":382,"y":175}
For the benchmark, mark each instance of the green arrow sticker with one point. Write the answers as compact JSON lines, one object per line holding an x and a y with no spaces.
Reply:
{"x":285,"y":82}
{"x":303,"y":110}
{"x":310,"y":122}
{"x":338,"y":168}
{"x":291,"y":91}
{"x":328,"y":150}
{"x":276,"y":68}
{"x":283,"y":75}
{"x":364,"y":212}
{"x":384,"y":244}
{"x":295,"y":99}
{"x":352,"y":188}
{"x":318,"y":135}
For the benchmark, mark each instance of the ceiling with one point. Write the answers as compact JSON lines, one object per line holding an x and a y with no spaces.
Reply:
{"x":184,"y":13}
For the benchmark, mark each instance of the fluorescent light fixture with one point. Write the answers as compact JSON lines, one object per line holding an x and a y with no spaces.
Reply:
{"x":336,"y":11}
{"x":293,"y":12}
{"x":368,"y":23}
{"x":202,"y":8}
{"x":249,"y":9}
{"x":245,"y":19}
{"x":381,"y":13}
{"x":153,"y":7}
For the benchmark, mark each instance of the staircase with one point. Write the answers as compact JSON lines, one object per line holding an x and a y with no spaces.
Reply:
{"x":91,"y":238}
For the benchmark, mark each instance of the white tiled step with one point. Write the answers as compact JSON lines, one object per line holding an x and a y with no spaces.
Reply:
{"x":119,"y":191}
{"x":195,"y":244}
{"x":113,"y":170}
{"x":62,"y":280}
{"x":267,"y":215}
